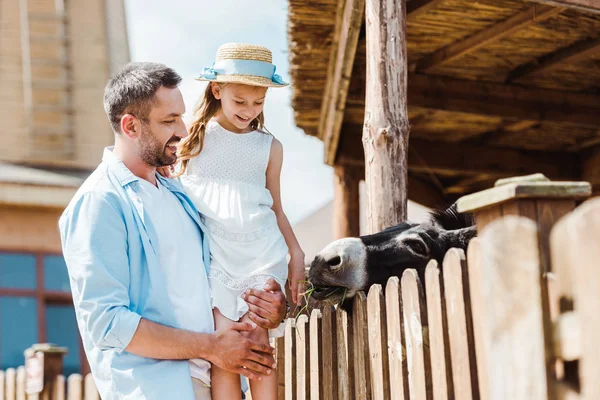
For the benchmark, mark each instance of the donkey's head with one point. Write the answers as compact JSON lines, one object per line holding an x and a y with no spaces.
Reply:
{"x":349,"y":265}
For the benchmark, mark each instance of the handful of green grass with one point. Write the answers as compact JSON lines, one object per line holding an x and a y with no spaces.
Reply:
{"x":307,"y":294}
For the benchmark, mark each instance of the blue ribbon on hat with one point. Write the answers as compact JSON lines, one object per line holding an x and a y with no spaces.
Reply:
{"x":242,"y":67}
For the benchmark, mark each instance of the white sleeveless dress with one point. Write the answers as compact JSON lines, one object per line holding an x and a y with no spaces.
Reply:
{"x":227,"y":183}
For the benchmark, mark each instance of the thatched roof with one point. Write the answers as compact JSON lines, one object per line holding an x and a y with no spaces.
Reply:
{"x":532,"y":85}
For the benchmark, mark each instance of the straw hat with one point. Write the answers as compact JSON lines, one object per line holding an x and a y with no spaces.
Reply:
{"x":243,"y":63}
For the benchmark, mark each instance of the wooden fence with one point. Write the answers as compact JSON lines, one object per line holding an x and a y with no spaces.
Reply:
{"x":75,"y":387}
{"x":489,"y":325}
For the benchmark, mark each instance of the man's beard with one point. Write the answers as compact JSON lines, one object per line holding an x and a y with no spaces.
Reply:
{"x":152,"y":152}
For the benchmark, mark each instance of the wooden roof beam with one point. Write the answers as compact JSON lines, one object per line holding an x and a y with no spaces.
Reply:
{"x":506,"y":101}
{"x":583,"y":5}
{"x":419,"y":7}
{"x":429,"y":157}
{"x":572,"y":54}
{"x":349,"y":19}
{"x":487,"y":137}
{"x":532,"y":15}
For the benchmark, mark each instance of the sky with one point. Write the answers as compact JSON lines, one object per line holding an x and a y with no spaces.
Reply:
{"x":185,"y":35}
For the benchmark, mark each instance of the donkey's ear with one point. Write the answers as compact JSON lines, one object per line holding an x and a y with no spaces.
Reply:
{"x":459,"y":238}
{"x":451,"y":219}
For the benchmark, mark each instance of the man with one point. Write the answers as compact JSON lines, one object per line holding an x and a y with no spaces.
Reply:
{"x":137,"y":259}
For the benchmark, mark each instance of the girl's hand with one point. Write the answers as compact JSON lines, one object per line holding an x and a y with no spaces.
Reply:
{"x":166,"y":171}
{"x":296,"y":278}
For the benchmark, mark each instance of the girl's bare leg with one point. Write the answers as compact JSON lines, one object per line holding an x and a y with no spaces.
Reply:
{"x":265,"y":389}
{"x":225,"y":385}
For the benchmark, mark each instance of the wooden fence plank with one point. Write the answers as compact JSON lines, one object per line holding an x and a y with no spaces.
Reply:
{"x":396,"y":345}
{"x":290,"y":360}
{"x":302,"y":357}
{"x":59,"y":388}
{"x":441,"y":367}
{"x":579,"y":232}
{"x":20,"y":387}
{"x":2,"y":386}
{"x":343,"y":361}
{"x":360,"y":345}
{"x":378,"y":339}
{"x":280,"y":349}
{"x":329,"y":354}
{"x":89,"y":388}
{"x":316,"y":355}
{"x":477,"y":299}
{"x":415,"y":320}
{"x":513,"y":338}
{"x":460,"y":332}
{"x":11,"y":384}
{"x":74,"y":387}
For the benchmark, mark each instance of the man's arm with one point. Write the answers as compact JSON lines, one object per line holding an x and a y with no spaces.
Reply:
{"x":226,"y":348}
{"x":95,"y":244}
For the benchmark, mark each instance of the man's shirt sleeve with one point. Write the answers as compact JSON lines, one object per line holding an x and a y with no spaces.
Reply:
{"x":94,"y":241}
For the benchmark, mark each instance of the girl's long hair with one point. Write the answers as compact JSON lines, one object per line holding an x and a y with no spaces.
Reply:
{"x":209,"y":107}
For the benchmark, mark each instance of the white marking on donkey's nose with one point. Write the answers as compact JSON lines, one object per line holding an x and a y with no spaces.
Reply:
{"x":348,"y":251}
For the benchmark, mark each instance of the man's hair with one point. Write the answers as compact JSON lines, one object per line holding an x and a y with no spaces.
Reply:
{"x":132,"y":90}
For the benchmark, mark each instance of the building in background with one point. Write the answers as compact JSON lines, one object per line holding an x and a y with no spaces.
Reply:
{"x":55,"y":58}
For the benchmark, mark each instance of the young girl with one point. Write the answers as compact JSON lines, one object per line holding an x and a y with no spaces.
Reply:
{"x":230,"y":167}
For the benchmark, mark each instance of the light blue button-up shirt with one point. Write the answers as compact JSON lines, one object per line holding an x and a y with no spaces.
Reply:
{"x":110,"y":250}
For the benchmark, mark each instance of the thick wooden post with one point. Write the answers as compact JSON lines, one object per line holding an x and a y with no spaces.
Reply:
{"x":346,"y":207}
{"x":386,"y":127}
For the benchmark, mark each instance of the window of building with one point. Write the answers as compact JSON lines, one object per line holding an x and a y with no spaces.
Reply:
{"x":36,"y":307}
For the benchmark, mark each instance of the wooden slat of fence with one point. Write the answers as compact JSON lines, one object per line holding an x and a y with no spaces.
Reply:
{"x":343,"y":361}
{"x":439,"y":350}
{"x":280,"y":350}
{"x":360,"y":345}
{"x":59,"y":388}
{"x":316,"y":355}
{"x":11,"y":383}
{"x":302,"y":357}
{"x":513,"y":339}
{"x":74,"y":387}
{"x":89,"y":388}
{"x":2,"y":386}
{"x":329,"y":360}
{"x":20,"y":387}
{"x":380,"y":371}
{"x":396,"y":346}
{"x":460,"y":332}
{"x":290,"y":360}
{"x":477,"y":299}
{"x":415,"y":317}
{"x":580,"y":232}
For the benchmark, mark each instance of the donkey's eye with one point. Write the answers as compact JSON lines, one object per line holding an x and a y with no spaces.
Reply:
{"x":335,"y":261}
{"x":417,"y":246}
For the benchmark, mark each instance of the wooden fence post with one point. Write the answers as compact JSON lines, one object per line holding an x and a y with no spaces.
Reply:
{"x":396,"y":346}
{"x":11,"y":383}
{"x":460,"y":325}
{"x":360,"y":346}
{"x":302,"y":357}
{"x":329,"y":359}
{"x":290,"y":360}
{"x":89,"y":388}
{"x":280,"y":349}
{"x":575,"y":252}
{"x":377,"y":321}
{"x":511,"y":325}
{"x":439,"y":345}
{"x":316,"y":356}
{"x":415,"y":322}
{"x":59,"y":388}
{"x":74,"y":387}
{"x":344,"y":361}
{"x":2,"y":386}
{"x":20,"y":386}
